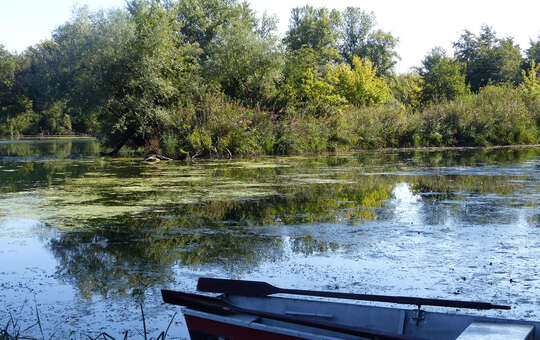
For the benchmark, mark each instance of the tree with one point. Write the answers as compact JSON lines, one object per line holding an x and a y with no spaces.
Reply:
{"x":355,"y":28}
{"x":200,"y":21}
{"x":151,"y":76}
{"x":39,"y":76}
{"x":530,"y":90}
{"x":380,"y":49}
{"x":442,"y":77}
{"x":533,"y":54}
{"x":87,"y":48}
{"x":304,"y":85}
{"x":8,"y":66}
{"x":316,"y":29}
{"x":359,"y":85}
{"x":16,"y":115}
{"x":244,"y":65}
{"x":240,"y":55}
{"x":359,"y":38}
{"x":488,"y":59}
{"x":407,"y":89}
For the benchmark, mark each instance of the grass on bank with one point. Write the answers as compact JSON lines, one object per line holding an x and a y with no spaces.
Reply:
{"x":13,"y":330}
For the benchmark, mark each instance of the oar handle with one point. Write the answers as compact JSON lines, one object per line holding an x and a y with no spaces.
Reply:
{"x":405,"y":300}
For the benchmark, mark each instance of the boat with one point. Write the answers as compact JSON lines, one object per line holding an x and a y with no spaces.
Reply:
{"x":247,"y":310}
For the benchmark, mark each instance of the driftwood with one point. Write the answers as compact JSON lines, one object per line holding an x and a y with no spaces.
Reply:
{"x":156,"y":158}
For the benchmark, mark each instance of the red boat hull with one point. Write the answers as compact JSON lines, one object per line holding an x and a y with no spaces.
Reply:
{"x":200,"y":328}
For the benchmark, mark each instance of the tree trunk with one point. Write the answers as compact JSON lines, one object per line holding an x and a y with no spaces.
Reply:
{"x":115,"y":150}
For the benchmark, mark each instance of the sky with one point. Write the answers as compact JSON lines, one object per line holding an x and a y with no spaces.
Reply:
{"x":420,"y":25}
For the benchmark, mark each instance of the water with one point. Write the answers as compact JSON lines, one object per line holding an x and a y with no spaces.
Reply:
{"x":86,"y":239}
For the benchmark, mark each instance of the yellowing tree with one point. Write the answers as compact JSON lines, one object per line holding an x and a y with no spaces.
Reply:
{"x":531,"y":82}
{"x":359,"y":85}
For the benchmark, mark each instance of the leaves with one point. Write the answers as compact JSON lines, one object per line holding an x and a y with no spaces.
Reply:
{"x":442,"y":77}
{"x":488,"y":59}
{"x":360,"y":85}
{"x":359,"y":38}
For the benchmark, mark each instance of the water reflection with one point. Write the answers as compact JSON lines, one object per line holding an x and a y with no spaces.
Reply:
{"x":237,"y":235}
{"x":407,"y":205}
{"x":120,"y":226}
{"x":47,"y":148}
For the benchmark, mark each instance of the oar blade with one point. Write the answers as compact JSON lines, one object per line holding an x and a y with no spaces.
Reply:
{"x":235,"y":287}
{"x":194,"y":301}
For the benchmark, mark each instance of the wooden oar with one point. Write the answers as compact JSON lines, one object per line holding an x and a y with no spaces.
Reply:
{"x":258,"y":288}
{"x":221,"y":307}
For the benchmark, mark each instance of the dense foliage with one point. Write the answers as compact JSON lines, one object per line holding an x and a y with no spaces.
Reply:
{"x":193,"y":78}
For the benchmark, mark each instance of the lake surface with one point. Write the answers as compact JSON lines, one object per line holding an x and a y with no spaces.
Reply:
{"x":86,"y":239}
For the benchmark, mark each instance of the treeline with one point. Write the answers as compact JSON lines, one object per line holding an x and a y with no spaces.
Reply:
{"x":210,"y":78}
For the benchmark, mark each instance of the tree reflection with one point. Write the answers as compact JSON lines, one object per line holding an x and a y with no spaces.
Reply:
{"x":50,"y":147}
{"x":124,"y":254}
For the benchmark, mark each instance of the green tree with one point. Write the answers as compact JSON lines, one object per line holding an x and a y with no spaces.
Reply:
{"x":488,"y":59}
{"x":240,"y":54}
{"x":200,"y":21}
{"x":304,"y":85}
{"x":359,"y":38}
{"x":8,"y":65}
{"x":530,"y":90}
{"x":16,"y":115}
{"x":442,"y":77}
{"x":314,"y":28}
{"x":87,"y":48}
{"x":151,"y":76}
{"x":532,"y":54}
{"x":39,"y":75}
{"x":244,"y":65}
{"x":245,"y":60}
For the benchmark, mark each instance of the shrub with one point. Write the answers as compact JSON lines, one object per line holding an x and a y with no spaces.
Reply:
{"x":381,"y":126}
{"x":216,"y":126}
{"x":497,"y":115}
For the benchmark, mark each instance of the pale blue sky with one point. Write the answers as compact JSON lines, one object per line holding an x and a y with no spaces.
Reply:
{"x":419,"y":24}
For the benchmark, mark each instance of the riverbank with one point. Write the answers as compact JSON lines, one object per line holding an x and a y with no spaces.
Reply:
{"x":142,"y":152}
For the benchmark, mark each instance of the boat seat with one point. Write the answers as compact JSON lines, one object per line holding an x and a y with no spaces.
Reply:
{"x":497,"y":331}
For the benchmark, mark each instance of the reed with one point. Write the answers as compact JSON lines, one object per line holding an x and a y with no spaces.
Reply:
{"x":14,"y":330}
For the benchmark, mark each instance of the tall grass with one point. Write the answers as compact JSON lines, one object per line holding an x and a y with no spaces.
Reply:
{"x":497,"y":115}
{"x":14,"y":330}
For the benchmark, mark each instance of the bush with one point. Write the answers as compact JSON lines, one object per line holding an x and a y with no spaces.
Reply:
{"x":218,"y":127}
{"x":301,"y":133}
{"x":497,"y":115}
{"x":381,"y":126}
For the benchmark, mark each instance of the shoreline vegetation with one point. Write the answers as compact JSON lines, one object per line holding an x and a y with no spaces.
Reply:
{"x":190,"y":79}
{"x":141,"y":151}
